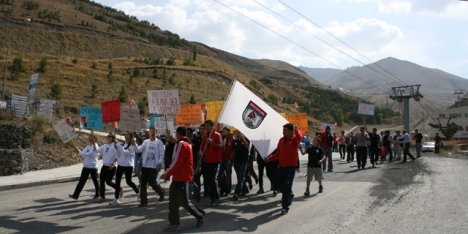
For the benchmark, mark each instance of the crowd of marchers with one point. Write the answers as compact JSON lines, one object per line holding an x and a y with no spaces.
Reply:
{"x":190,"y":156}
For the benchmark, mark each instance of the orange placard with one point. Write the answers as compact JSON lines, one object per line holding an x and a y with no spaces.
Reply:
{"x":300,"y":120}
{"x":189,"y":115}
{"x":213,"y":109}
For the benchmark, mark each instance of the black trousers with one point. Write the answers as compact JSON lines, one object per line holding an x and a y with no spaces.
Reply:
{"x":342,"y":149}
{"x":272,"y":172}
{"x":85,"y":172}
{"x":148,"y":176}
{"x":128,"y":178}
{"x":407,"y":153}
{"x":350,"y":153}
{"x":361,"y":156}
{"x":374,"y":154}
{"x":106,"y":178}
{"x":261,"y":167}
{"x":179,"y":195}
{"x":212,"y":170}
{"x":251,"y":172}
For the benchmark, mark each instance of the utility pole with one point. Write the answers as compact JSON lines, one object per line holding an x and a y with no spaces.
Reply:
{"x":403,"y":94}
{"x":6,"y":66}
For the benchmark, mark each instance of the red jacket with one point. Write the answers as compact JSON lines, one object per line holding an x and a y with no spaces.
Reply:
{"x":228,"y":146}
{"x":181,"y":168}
{"x":213,"y":154}
{"x":286,"y":152}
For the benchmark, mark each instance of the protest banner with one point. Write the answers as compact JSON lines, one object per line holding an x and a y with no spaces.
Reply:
{"x":189,"y":115}
{"x":33,"y":88}
{"x":365,"y":109}
{"x":130,"y":119}
{"x":213,"y":109}
{"x":110,"y":111}
{"x":151,"y":118}
{"x":160,"y":124}
{"x":163,"y":101}
{"x":325,"y":125}
{"x":3,"y":105}
{"x":91,"y":118}
{"x":300,"y":120}
{"x":65,"y":130}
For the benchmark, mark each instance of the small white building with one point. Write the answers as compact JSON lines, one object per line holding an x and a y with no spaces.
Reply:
{"x":458,"y":115}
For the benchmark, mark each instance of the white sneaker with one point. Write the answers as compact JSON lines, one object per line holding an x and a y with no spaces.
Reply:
{"x":115,"y":202}
{"x":138,"y":197}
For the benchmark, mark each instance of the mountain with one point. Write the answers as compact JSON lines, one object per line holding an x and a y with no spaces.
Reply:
{"x":320,"y":74}
{"x":87,"y":53}
{"x":436,"y":85}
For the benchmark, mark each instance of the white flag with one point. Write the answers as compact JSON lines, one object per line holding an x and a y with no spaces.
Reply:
{"x":260,"y":123}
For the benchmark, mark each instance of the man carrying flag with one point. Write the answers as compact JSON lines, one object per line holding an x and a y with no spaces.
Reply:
{"x":288,"y":158}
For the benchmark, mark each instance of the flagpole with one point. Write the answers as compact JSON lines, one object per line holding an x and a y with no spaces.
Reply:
{"x":197,"y":170}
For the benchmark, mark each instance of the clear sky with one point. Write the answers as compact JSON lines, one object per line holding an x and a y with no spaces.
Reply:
{"x":431,"y":33}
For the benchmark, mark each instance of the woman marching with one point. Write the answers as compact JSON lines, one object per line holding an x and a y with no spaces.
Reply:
{"x":90,"y":167}
{"x":125,"y":165}
{"x":109,"y":159}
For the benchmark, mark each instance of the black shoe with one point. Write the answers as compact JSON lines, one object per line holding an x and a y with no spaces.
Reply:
{"x":413,"y":159}
{"x":274,"y":193}
{"x":72,"y":197}
{"x":250,"y":186}
{"x":418,"y":157}
{"x":198,"y":197}
{"x":135,"y":175}
{"x":199,"y":222}
{"x":143,"y":204}
{"x":173,"y":228}
{"x":331,"y":170}
{"x":235,"y":197}
{"x":291,"y":198}
{"x":307,"y":193}
{"x":284,"y":212}
{"x":260,"y":191}
{"x":403,"y":161}
{"x":320,"y":189}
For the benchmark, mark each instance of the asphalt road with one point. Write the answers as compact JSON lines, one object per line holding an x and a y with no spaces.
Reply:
{"x":427,"y":196}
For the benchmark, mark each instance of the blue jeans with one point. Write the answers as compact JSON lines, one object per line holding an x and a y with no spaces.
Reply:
{"x":285,"y":182}
{"x":240,"y":172}
{"x":389,"y":151}
{"x":225,"y":186}
{"x":136,"y":160}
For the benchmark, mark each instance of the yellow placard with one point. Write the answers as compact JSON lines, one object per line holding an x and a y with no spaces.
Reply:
{"x":283,"y":114}
{"x":213,"y":109}
{"x":300,"y":120}
{"x":189,"y":115}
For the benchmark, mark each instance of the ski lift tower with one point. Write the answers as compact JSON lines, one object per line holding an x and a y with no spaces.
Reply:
{"x":404,"y":94}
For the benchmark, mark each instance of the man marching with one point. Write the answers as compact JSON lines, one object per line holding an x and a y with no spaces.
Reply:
{"x":181,"y":170}
{"x":288,"y":158}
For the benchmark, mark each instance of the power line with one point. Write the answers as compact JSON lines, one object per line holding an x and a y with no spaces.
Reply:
{"x":265,"y":27}
{"x":318,"y":38}
{"x":347,"y":45}
{"x":340,"y":40}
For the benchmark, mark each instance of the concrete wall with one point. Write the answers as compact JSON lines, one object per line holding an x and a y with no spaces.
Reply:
{"x":16,"y":155}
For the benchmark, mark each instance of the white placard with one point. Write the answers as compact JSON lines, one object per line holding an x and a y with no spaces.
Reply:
{"x":129,"y":119}
{"x":366,"y":109}
{"x":65,"y":130}
{"x":160,"y":124}
{"x":3,"y":105}
{"x":163,"y":101}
